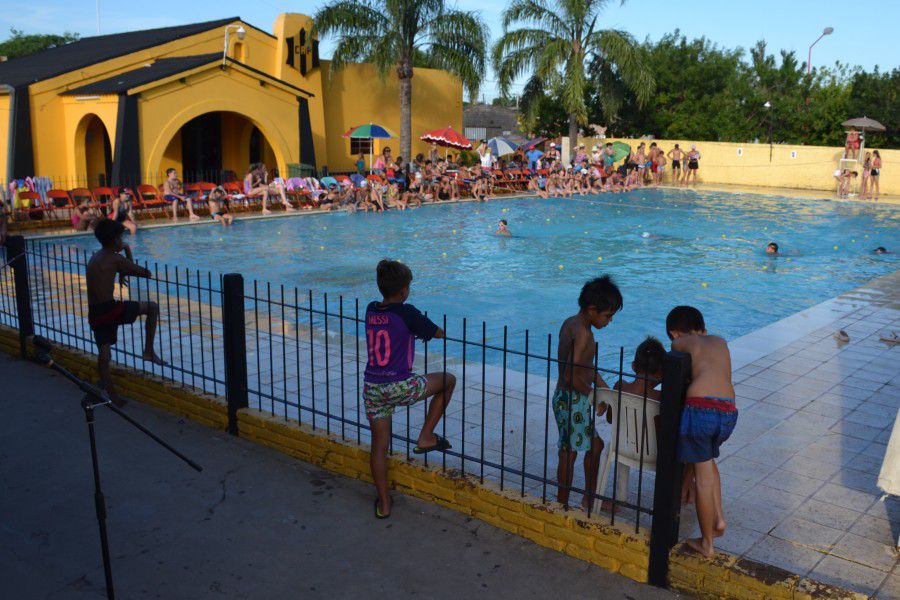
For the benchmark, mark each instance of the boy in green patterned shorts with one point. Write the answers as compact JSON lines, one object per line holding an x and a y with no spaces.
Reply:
{"x":573,"y":401}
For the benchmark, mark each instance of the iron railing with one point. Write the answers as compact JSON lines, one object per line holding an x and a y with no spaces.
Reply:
{"x":301,"y":356}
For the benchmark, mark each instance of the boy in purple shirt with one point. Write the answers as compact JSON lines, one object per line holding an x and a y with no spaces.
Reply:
{"x":391,"y":330}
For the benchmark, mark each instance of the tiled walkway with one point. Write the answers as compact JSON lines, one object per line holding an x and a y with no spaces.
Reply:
{"x":799,"y":474}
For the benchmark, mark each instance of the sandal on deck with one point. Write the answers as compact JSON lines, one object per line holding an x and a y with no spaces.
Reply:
{"x":378,"y":514}
{"x":441,"y":444}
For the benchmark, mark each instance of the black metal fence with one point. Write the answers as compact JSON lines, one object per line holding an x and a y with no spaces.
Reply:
{"x":301,"y":356}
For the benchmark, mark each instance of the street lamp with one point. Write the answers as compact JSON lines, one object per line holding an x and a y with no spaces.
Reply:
{"x":768,"y":107}
{"x":241,"y":32}
{"x":826,"y":31}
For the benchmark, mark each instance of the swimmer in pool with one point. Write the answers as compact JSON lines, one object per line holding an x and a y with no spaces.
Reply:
{"x":502,"y":228}
{"x":880,"y":250}
{"x":771,"y":248}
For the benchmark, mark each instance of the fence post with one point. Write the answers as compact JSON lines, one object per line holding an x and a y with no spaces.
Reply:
{"x":235,"y":345}
{"x":667,"y":493}
{"x":15,"y":246}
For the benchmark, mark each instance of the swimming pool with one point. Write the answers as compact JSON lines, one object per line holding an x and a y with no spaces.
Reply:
{"x":663,"y":247}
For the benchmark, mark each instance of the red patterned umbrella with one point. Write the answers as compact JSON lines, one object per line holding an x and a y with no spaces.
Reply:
{"x":449,"y":138}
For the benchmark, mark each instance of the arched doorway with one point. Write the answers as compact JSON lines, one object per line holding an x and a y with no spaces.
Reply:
{"x":215,"y":146}
{"x":94,"y":151}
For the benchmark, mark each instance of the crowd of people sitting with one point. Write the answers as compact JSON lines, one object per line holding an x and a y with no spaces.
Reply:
{"x":391,"y":183}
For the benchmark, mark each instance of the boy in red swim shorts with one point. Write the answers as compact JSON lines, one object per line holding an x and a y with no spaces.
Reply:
{"x":708,"y":419}
{"x":105,"y":313}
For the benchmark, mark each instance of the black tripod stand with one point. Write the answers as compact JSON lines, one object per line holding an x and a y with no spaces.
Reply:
{"x":94,"y":397}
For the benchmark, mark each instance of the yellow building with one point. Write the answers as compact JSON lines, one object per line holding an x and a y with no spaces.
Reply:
{"x":204,"y":98}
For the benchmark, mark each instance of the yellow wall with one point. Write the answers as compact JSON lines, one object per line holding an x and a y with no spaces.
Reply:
{"x":355,"y":96}
{"x":812,"y":168}
{"x":164,"y":110}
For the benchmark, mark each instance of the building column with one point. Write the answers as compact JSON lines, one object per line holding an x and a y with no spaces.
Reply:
{"x":20,"y":148}
{"x":307,"y":149}
{"x":126,"y":170}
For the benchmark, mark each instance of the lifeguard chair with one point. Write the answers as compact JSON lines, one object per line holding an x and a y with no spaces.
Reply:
{"x":862,"y":125}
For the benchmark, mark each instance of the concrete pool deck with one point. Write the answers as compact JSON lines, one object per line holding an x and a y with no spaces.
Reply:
{"x":799,"y":474}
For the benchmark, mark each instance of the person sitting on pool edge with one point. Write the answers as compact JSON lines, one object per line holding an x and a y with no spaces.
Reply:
{"x":574,"y":401}
{"x":771,"y":248}
{"x":502,"y":228}
{"x":218,"y":206}
{"x":391,"y":329}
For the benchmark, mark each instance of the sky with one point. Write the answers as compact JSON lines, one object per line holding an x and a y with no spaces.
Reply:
{"x":864,"y":38}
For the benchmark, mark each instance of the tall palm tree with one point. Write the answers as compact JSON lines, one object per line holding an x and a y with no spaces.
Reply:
{"x":403,"y":34}
{"x":554,"y":41}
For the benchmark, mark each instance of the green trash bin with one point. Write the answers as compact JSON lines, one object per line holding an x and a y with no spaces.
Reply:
{"x":301,"y":170}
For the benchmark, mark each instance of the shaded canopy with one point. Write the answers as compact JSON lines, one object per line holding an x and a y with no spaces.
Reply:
{"x":865,"y":124}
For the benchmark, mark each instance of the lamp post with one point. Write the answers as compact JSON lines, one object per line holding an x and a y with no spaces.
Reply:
{"x":826,"y":31}
{"x":241,"y":32}
{"x":768,"y":107}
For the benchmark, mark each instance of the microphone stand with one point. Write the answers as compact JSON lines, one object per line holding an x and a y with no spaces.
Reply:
{"x":94,"y":397}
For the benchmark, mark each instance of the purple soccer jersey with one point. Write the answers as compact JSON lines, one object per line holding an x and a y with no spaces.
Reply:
{"x":391,"y":332}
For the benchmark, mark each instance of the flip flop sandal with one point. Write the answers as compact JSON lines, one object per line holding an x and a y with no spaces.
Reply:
{"x":441,"y":444}
{"x":378,"y":514}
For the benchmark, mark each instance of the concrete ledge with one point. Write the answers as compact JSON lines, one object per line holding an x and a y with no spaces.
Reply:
{"x":546,"y":524}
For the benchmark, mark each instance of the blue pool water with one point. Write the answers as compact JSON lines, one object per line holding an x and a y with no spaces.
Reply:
{"x":703,"y":249}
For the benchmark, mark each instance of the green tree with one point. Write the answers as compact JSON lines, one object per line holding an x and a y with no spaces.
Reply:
{"x":555,"y":40}
{"x":22,"y":44}
{"x":877,"y":95}
{"x":403,"y":34}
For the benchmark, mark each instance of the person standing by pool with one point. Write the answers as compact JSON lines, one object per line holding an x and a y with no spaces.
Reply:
{"x":361,"y":164}
{"x":875,"y":175}
{"x":708,"y":419}
{"x":851,"y":148}
{"x":574,"y":402}
{"x":105,"y":313}
{"x":677,"y":157}
{"x":693,"y":165}
{"x":392,"y":327}
{"x":866,"y":173}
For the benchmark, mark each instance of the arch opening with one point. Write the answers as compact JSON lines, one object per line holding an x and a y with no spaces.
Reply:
{"x":93,"y":151}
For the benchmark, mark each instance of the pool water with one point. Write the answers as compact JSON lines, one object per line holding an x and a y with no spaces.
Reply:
{"x":663,"y":248}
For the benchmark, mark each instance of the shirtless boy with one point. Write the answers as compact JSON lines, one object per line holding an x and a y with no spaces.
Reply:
{"x":574,"y":402}
{"x":708,"y":419}
{"x":173,"y":191}
{"x":105,"y":313}
{"x":503,"y":229}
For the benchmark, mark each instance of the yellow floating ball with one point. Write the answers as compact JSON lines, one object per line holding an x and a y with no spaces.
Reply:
{"x":704,"y":284}
{"x":723,"y":236}
{"x":220,"y":239}
{"x":548,"y":220}
{"x":444,"y":254}
{"x":321,"y":247}
{"x":599,"y":258}
{"x":454,"y":231}
{"x":765,"y":268}
{"x":789,"y":260}
{"x":835,"y":247}
{"x":854,"y":241}
{"x":562,"y":267}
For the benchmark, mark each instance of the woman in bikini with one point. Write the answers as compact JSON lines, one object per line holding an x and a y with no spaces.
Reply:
{"x":866,"y":173}
{"x":875,"y":175}
{"x":255,"y":186}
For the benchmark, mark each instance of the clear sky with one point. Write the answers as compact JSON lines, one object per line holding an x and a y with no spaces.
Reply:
{"x":865,"y":36}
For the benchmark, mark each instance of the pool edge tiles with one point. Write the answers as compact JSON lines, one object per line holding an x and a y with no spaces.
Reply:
{"x":770,"y":338}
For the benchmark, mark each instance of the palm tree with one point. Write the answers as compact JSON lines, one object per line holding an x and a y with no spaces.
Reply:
{"x":403,"y":34}
{"x":555,"y":40}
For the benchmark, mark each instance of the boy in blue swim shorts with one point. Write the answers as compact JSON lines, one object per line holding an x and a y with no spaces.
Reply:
{"x":708,"y":419}
{"x":575,"y":407}
{"x":392,"y":327}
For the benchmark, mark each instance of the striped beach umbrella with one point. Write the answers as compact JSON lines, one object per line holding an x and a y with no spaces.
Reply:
{"x":501,"y":146}
{"x":447,"y":138}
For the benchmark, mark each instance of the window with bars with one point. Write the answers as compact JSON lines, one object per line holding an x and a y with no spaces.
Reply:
{"x":360,"y":145}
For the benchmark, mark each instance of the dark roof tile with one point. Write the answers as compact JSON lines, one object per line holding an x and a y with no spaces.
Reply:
{"x":162,"y":68}
{"x":92,"y":50}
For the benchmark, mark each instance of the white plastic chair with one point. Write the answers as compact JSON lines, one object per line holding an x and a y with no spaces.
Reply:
{"x":630,"y":426}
